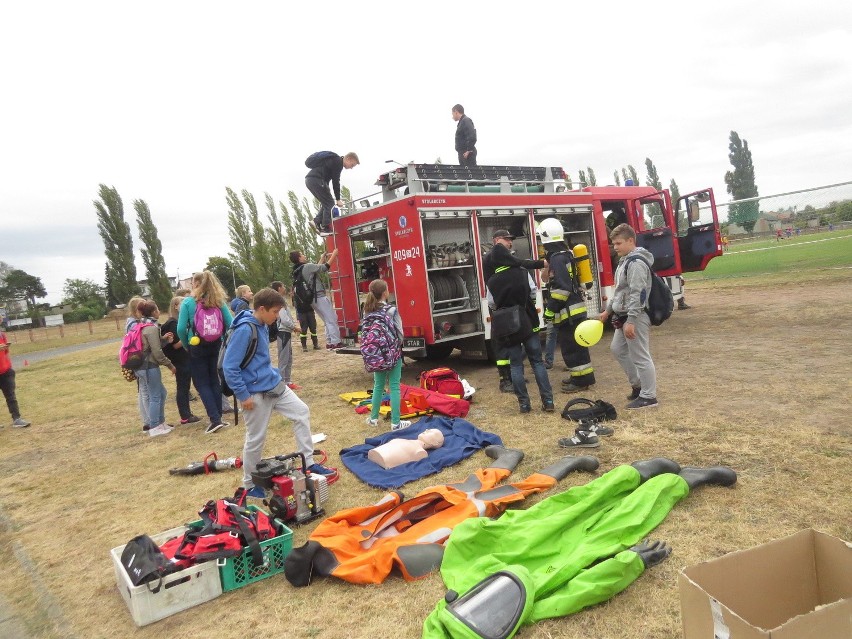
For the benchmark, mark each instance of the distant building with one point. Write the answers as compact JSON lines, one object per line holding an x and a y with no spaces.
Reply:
{"x":146,"y":288}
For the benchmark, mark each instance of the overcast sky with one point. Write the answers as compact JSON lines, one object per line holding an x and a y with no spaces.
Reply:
{"x":171,"y":102}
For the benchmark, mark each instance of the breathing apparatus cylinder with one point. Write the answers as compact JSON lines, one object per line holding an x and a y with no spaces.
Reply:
{"x":584,"y":265}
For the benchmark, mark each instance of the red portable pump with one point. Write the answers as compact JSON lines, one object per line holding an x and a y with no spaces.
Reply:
{"x":293,"y":495}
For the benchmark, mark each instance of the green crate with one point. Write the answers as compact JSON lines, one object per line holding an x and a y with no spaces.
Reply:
{"x":240,"y":571}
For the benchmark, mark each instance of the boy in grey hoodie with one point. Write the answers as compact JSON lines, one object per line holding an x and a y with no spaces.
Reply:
{"x":626,"y":307}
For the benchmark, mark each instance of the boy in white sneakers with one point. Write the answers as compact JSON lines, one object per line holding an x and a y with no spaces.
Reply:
{"x":260,"y":390}
{"x":626,"y":306}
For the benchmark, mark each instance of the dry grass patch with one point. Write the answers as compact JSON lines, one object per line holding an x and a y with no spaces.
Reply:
{"x":756,"y":377}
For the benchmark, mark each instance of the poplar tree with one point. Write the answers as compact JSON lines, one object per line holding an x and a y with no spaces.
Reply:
{"x":741,"y":185}
{"x":653,"y":178}
{"x":593,"y":181}
{"x":583,"y":182}
{"x":152,"y":256}
{"x":633,"y":175}
{"x":617,"y":178}
{"x":118,"y":246}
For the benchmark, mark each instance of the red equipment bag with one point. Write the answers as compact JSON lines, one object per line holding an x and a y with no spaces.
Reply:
{"x":442,"y":380}
{"x":440,"y":403}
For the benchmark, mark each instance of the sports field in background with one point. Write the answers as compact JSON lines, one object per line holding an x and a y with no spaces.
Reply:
{"x":831,"y":249}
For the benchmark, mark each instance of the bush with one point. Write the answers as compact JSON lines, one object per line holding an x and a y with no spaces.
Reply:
{"x":84,"y":313}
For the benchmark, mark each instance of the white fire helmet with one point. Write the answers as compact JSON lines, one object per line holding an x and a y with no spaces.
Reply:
{"x":550,"y":230}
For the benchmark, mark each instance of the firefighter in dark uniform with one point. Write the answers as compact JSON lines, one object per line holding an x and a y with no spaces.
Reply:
{"x":501,"y":253}
{"x":567,"y":306}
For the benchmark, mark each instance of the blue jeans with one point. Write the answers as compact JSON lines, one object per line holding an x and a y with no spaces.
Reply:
{"x":203,"y":360}
{"x":516,"y":355}
{"x":550,"y":345}
{"x":151,"y":382}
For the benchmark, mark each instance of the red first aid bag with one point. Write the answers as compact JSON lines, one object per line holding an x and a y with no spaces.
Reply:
{"x":442,"y":380}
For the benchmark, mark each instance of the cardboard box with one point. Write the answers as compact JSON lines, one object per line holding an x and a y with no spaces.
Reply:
{"x":799,"y":587}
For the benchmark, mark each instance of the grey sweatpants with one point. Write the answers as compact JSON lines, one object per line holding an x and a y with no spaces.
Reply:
{"x":323,"y":307}
{"x":634,"y":356}
{"x":290,"y":406}
{"x":285,"y":355}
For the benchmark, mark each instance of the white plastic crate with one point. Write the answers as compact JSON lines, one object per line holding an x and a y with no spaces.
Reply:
{"x":181,"y":590}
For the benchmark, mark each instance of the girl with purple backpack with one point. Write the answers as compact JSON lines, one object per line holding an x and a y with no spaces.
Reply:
{"x":204,"y":317}
{"x":377,"y":301}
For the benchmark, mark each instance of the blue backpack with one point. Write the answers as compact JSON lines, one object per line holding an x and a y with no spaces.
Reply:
{"x":381,"y":346}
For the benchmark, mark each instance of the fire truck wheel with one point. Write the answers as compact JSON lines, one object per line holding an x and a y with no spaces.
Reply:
{"x":438,"y":351}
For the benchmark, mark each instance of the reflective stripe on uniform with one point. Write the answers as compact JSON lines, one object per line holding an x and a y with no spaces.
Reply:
{"x":504,"y":362}
{"x":576,"y":309}
{"x":559,"y":294}
{"x":583,"y":369}
{"x":561,"y":316}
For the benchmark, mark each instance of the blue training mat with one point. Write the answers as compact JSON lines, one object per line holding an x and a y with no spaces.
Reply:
{"x":461,"y":440}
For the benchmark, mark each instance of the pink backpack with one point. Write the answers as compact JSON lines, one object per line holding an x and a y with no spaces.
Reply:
{"x":209,"y":323}
{"x":131,"y":355}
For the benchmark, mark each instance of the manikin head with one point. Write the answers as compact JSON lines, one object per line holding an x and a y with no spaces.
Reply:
{"x":431,"y":438}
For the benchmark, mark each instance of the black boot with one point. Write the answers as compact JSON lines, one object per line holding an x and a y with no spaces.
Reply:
{"x":505,"y":458}
{"x":560,"y":469}
{"x":304,"y":341}
{"x":652,"y":467}
{"x":713,"y":476}
{"x":505,"y":372}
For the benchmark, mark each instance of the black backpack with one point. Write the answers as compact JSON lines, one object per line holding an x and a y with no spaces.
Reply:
{"x":314,"y":160}
{"x":582,"y":409}
{"x":303,"y":292}
{"x":660,"y":303}
{"x":144,"y":562}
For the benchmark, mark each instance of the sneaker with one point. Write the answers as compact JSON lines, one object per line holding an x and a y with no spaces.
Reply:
{"x":403,"y":423}
{"x":525,"y":408}
{"x":315,"y":226}
{"x":682,"y":306}
{"x":294,"y":386}
{"x":581,"y":439}
{"x":256,"y":492}
{"x":325,"y":230}
{"x":156,"y":431}
{"x":634,"y":393}
{"x":319,"y":469}
{"x":548,"y":407}
{"x":506,"y":386}
{"x":571,"y":387}
{"x":642,"y":402}
{"x":548,"y":365}
{"x":20,"y":422}
{"x":372,"y":422}
{"x":214,"y":426}
{"x":334,"y":347}
{"x":190,"y":420}
{"x":193,"y":398}
{"x":595,"y":427}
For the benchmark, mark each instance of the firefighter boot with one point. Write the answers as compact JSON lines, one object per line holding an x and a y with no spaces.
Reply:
{"x":713,"y":476}
{"x":304,"y":341}
{"x":505,"y":371}
{"x":505,"y":458}
{"x":657,"y":466}
{"x":560,"y":469}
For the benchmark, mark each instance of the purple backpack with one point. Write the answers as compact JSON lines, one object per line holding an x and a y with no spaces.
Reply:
{"x":209,"y":323}
{"x":381,"y":346}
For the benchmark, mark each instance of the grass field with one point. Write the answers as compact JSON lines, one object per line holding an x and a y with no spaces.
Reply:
{"x":804,"y":253}
{"x":747,"y":378}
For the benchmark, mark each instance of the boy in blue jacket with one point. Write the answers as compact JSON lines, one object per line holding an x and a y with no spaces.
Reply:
{"x":260,"y":389}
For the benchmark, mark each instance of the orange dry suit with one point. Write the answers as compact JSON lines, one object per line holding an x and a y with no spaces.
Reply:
{"x":362,"y":545}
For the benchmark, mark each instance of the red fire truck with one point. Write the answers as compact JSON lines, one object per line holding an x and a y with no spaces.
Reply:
{"x":434,"y":223}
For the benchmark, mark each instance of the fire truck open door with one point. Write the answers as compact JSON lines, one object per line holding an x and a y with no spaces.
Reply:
{"x":699,"y":240}
{"x":654,"y":232}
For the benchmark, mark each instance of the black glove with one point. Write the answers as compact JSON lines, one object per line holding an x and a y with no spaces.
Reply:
{"x":652,"y":552}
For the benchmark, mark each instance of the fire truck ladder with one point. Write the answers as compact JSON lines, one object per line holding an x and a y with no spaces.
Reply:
{"x":453,"y":178}
{"x":335,"y":277}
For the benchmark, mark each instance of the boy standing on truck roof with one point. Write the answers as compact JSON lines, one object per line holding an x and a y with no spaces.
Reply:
{"x":326,"y":167}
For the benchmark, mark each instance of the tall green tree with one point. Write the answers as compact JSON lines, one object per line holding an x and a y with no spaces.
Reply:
{"x":224,"y":269}
{"x":617,"y":178}
{"x":633,"y":175}
{"x":86,"y":297}
{"x":680,"y":215}
{"x":625,"y":175}
{"x":118,"y":246}
{"x":583,"y":181}
{"x":593,"y":181}
{"x":20,"y":285}
{"x":741,"y":184}
{"x":152,"y":256}
{"x":653,"y":178}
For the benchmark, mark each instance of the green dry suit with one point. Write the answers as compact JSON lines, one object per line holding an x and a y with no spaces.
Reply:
{"x":573,"y":548}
